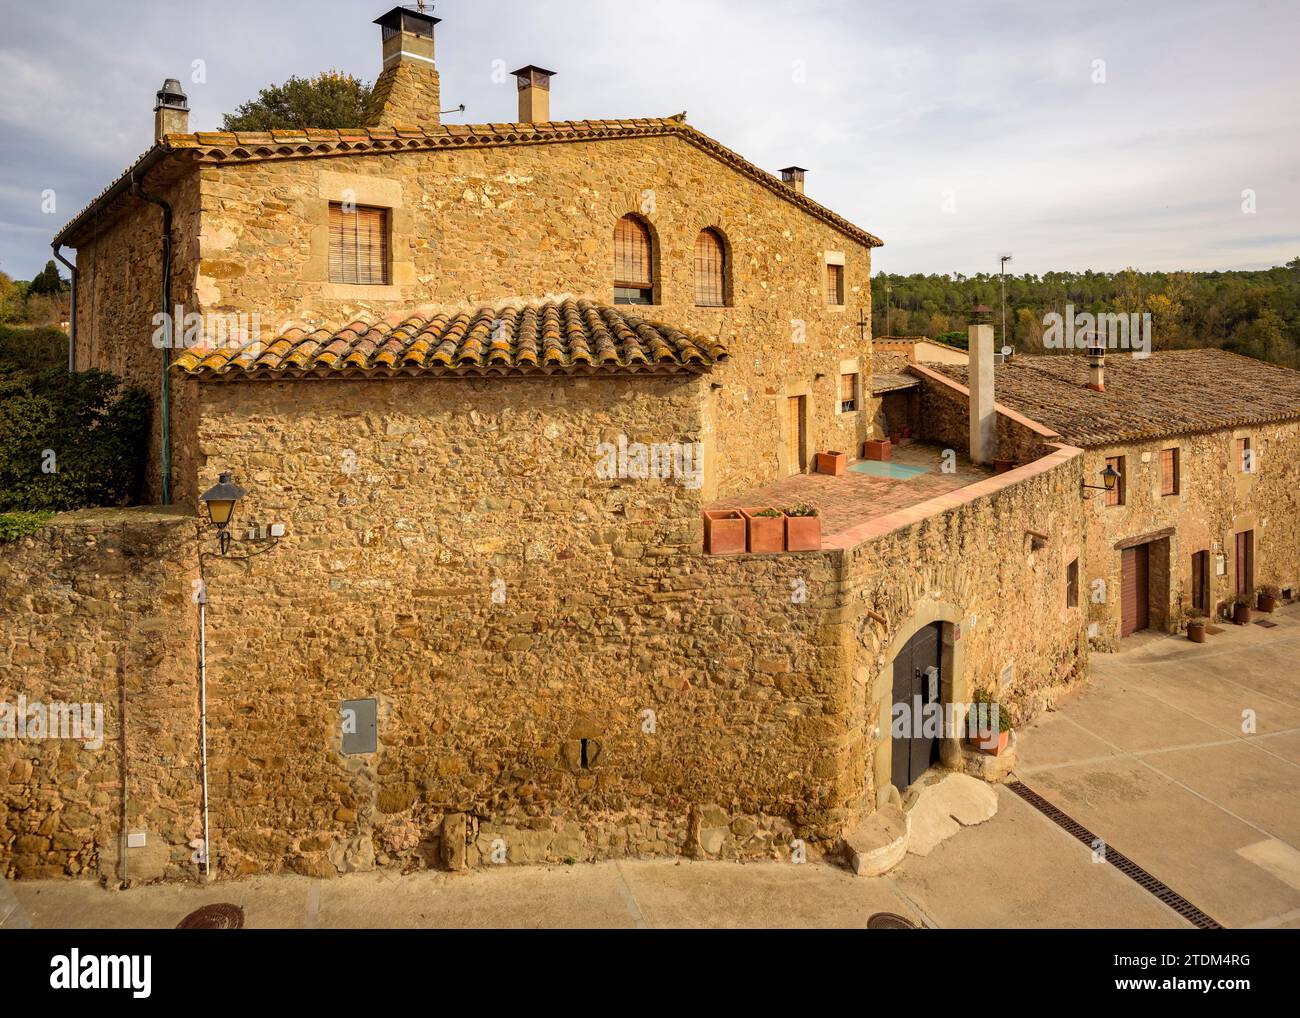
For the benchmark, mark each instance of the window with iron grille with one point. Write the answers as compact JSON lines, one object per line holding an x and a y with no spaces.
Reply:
{"x":710,"y":270}
{"x":835,"y":285}
{"x":1116,"y":495}
{"x":848,"y":393}
{"x":1169,"y":472}
{"x":358,"y":244}
{"x":633,"y":262}
{"x":1072,"y":585}
{"x":1245,"y":457}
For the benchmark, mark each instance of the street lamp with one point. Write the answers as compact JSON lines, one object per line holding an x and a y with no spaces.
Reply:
{"x":1109,"y":478}
{"x":1003,"y":281}
{"x":221,"y":499}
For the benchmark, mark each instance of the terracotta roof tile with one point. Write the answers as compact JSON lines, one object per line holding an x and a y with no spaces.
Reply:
{"x":1171,"y":392}
{"x":570,"y":337}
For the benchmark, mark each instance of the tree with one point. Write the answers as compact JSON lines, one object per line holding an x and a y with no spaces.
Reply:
{"x":329,"y":100}
{"x":47,"y":281}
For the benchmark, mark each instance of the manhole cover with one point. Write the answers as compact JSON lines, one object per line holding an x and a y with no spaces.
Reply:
{"x":214,"y":917}
{"x":889,"y":921}
{"x":1265,"y":624}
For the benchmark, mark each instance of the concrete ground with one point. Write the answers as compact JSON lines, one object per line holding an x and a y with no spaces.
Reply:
{"x":1150,"y":756}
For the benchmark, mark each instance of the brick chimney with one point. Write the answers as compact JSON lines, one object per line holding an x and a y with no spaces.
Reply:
{"x":983,"y":421}
{"x":793,"y":177}
{"x":534,"y":94}
{"x":406,"y":93}
{"x":1096,"y":364}
{"x":171,"y":112}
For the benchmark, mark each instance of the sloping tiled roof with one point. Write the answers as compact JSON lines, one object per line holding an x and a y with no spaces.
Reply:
{"x":572,"y":337}
{"x":1169,"y":393}
{"x":226,"y":147}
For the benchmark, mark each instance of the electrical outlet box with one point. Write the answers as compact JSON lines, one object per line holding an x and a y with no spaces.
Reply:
{"x":136,"y":839}
{"x":277,"y":529}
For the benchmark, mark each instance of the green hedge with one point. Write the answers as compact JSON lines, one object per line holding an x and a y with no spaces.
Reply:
{"x":70,"y":441}
{"x":32,"y":348}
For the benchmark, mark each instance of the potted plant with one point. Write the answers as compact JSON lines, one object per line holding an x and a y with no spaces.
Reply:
{"x":1268,"y":595}
{"x":980,"y":725}
{"x":877,"y":449}
{"x":724,"y":531}
{"x":1002,"y":466}
{"x":1195,"y":619}
{"x":1241,"y":609}
{"x":803,"y":529}
{"x":766,"y":530}
{"x":831,"y":462}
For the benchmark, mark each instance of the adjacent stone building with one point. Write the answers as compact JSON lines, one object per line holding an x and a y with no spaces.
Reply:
{"x":487,"y":379}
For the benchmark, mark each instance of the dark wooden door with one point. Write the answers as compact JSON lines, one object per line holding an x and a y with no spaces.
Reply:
{"x":916,"y":685}
{"x":795,"y":425}
{"x":1246,"y":563}
{"x":1201,"y":581}
{"x":1135,"y":593}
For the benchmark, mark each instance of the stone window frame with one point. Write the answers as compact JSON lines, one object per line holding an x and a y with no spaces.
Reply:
{"x":1174,"y":481}
{"x":1073,"y":572}
{"x":656,"y":255}
{"x":849,"y":367}
{"x":363,"y":190}
{"x":830,"y":258}
{"x":728,"y":276}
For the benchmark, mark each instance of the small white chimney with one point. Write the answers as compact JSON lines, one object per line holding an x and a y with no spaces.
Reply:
{"x":983,"y":421}
{"x":1096,"y":364}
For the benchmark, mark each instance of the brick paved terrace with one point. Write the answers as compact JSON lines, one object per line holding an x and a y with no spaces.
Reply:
{"x":855,"y":498}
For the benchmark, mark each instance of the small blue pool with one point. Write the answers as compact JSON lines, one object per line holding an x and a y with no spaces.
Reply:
{"x":894,"y":471}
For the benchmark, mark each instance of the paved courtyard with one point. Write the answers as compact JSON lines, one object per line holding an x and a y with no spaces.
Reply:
{"x":1150,"y":756}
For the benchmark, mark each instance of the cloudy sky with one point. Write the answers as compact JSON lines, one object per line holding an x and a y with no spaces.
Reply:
{"x":1074,"y":135}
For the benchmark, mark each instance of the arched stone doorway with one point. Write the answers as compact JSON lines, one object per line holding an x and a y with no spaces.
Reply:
{"x":932,"y":630}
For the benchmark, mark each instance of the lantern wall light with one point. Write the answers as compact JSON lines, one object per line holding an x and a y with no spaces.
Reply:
{"x":1109,"y":478}
{"x":220,"y":500}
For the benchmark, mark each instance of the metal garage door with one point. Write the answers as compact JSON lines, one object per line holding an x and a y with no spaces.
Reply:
{"x":1135,"y":594}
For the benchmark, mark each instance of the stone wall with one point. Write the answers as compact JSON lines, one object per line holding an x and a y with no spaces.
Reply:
{"x":119,"y":290}
{"x":944,"y":411}
{"x":486,"y":226}
{"x":409,"y":505}
{"x":97,"y":609}
{"x":1216,"y":501}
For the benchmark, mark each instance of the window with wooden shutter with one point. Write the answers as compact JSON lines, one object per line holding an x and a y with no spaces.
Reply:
{"x":1072,"y":585}
{"x":358,"y":244}
{"x":1201,"y":581}
{"x":633,"y":262}
{"x":848,"y":393}
{"x":1245,"y":458}
{"x":710,"y":270}
{"x":1169,"y":471}
{"x":835,"y":285}
{"x":1116,"y":495}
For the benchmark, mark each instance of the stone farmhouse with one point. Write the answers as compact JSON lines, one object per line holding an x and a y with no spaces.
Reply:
{"x":487,"y":380}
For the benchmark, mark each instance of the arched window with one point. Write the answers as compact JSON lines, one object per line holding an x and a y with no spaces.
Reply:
{"x":710,"y":270}
{"x":633,"y":262}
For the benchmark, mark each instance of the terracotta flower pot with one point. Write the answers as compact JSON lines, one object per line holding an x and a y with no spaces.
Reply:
{"x":803,"y":533}
{"x":1267,"y":603}
{"x":1196,"y":632}
{"x":877,"y":449}
{"x":1241,"y":614}
{"x":833,"y":463}
{"x":766,"y":533}
{"x":1002,"y":466}
{"x":992,"y":750}
{"x":724,"y":532}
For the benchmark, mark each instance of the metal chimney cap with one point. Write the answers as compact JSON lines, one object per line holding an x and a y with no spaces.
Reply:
{"x":530,"y":75}
{"x":171,"y":97}
{"x":403,"y":19}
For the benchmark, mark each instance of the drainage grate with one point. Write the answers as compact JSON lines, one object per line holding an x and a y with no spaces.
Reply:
{"x":889,"y":921}
{"x":214,"y":917}
{"x":1117,"y":859}
{"x":1265,"y":624}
